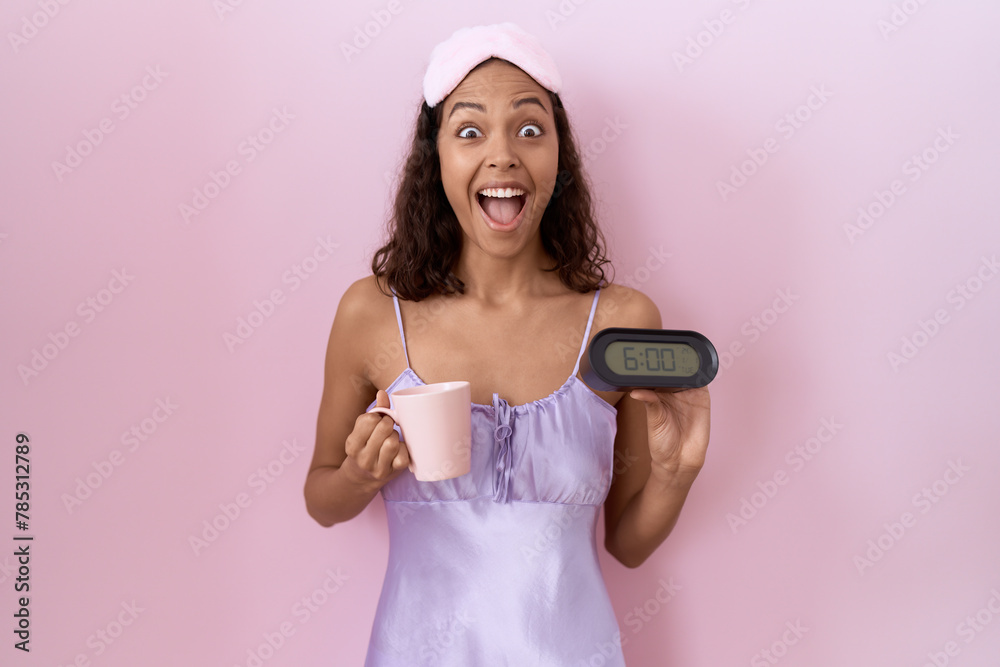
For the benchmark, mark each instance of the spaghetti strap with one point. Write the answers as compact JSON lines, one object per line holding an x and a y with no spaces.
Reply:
{"x":586,"y":333}
{"x":399,"y":321}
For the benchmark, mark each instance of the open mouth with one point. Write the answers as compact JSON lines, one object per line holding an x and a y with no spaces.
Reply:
{"x":502,"y":206}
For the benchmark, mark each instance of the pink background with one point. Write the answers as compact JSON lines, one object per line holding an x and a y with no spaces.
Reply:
{"x":661,"y":134}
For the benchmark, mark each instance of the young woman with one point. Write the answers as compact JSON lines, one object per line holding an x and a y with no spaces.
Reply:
{"x":494,"y":273}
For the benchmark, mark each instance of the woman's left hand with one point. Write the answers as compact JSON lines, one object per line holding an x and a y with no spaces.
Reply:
{"x":678,"y":424}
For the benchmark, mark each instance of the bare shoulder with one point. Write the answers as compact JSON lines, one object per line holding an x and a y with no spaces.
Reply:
{"x":622,"y":306}
{"x":363,"y":303}
{"x":365,"y":321}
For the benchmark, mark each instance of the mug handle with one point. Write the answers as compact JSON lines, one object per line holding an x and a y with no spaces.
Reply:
{"x":392,"y":413}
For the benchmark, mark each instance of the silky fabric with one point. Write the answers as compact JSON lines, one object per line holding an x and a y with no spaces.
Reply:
{"x":499,"y":566}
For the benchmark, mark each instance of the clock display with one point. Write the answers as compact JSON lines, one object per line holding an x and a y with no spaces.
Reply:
{"x":638,"y":358}
{"x":620,"y":359}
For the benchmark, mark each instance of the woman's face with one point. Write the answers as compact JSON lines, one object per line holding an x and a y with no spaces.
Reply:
{"x":499,"y":157}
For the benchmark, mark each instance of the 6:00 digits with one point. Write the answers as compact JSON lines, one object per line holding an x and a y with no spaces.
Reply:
{"x":653,"y":359}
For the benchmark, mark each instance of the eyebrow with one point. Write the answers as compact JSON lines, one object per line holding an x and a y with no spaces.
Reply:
{"x":530,"y":100}
{"x":481,"y":109}
{"x":467,"y":105}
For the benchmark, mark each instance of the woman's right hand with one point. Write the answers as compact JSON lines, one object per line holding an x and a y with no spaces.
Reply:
{"x":374,"y":453}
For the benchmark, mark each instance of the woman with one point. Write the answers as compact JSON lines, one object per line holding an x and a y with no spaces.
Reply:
{"x":493,"y":274}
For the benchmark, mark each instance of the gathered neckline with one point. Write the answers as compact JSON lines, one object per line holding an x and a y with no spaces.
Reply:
{"x":523,"y":407}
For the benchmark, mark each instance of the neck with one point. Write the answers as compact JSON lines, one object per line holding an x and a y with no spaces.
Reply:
{"x":499,"y":280}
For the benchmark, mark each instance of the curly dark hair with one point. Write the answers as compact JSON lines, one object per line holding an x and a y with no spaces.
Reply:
{"x":426,"y":239}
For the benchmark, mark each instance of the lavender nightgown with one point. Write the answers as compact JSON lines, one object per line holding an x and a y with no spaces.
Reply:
{"x":499,"y":567}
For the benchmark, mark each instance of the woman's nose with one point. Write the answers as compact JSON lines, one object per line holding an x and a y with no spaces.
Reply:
{"x":501,"y":152}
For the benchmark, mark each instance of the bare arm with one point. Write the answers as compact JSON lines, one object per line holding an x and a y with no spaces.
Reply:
{"x":662,"y":438}
{"x":650,"y":493}
{"x":356,"y":453}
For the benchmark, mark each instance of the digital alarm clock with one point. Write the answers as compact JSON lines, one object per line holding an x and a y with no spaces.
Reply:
{"x":620,"y":359}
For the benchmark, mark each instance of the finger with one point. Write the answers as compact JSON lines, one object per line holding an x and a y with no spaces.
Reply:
{"x":371,"y":458}
{"x":387,"y":453}
{"x":402,"y":458}
{"x":382,"y":399}
{"x":369,"y":431}
{"x":383,"y":429}
{"x":656,"y":401}
{"x":358,"y":437}
{"x":365,"y":424}
{"x":653,"y":395}
{"x":656,"y":409}
{"x":353,"y":444}
{"x":644,"y":395}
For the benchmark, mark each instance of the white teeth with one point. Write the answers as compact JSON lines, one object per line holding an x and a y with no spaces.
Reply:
{"x":501,"y":192}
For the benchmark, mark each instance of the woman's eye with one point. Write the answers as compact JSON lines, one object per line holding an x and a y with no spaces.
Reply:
{"x":469,"y":133}
{"x":530,"y":130}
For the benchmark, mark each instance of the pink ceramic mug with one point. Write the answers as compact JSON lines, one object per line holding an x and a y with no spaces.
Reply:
{"x":435,"y":422}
